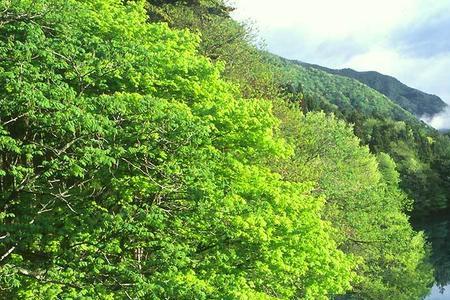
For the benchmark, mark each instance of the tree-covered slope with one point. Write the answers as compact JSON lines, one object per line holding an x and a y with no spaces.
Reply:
{"x":149,"y":160}
{"x":378,"y":121}
{"x":413,"y":100}
{"x":418,"y":149}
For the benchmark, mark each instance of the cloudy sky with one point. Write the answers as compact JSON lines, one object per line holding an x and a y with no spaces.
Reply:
{"x":408,"y":39}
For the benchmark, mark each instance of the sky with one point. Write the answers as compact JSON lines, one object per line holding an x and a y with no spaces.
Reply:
{"x":407,"y":39}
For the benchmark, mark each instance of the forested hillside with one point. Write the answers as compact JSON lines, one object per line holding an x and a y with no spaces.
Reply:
{"x":340,"y":95}
{"x":148,"y":150}
{"x":412,"y":100}
{"x":421,"y":152}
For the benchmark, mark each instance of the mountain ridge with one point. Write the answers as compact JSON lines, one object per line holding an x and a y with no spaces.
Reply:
{"x":411,"y":99}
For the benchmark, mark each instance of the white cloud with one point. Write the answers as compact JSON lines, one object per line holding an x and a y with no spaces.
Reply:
{"x":439,"y":121}
{"x":361,"y":34}
{"x":327,"y":18}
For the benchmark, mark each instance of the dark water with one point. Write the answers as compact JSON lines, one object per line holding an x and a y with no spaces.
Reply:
{"x":437,"y":229}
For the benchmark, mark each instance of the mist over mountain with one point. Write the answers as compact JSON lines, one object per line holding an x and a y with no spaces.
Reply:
{"x":440,"y":121}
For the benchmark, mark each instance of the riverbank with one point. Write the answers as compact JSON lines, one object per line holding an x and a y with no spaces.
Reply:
{"x":436,"y":227}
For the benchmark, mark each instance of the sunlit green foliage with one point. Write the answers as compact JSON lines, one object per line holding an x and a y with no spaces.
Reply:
{"x":223,"y":39}
{"x":129,"y":169}
{"x":362,"y":202}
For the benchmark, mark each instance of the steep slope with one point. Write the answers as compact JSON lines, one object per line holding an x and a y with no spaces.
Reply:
{"x":413,"y":100}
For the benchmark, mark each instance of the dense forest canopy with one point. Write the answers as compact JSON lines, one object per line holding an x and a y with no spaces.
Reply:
{"x":148,"y":150}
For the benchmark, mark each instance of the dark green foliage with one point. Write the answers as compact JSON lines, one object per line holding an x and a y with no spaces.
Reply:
{"x":421,"y":159}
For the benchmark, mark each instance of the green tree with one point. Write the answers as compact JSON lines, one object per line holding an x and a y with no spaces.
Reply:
{"x":223,"y":40}
{"x":364,"y":203}
{"x":130,"y":169}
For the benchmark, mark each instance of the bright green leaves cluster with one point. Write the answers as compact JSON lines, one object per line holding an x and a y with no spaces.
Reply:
{"x":222,"y":40}
{"x":129,"y":169}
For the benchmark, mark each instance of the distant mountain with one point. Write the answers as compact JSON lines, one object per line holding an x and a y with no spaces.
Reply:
{"x":412,"y":100}
{"x":346,"y":97}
